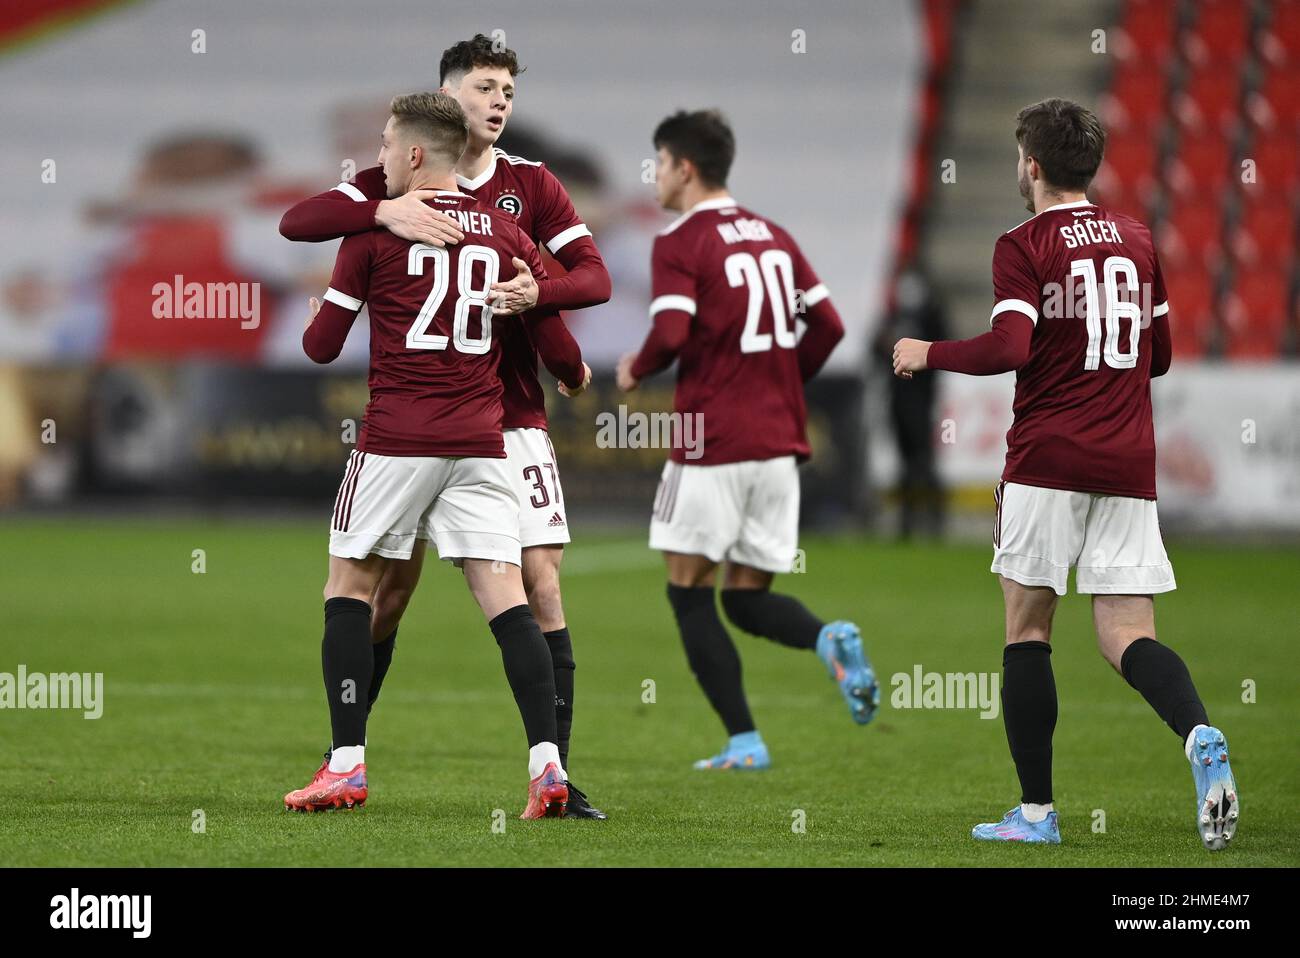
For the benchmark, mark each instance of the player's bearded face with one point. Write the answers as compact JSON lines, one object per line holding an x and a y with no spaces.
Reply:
{"x":1025,"y":184}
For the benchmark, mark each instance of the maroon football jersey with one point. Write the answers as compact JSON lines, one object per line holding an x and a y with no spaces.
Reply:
{"x":738,"y":275}
{"x":1089,"y":278}
{"x":532,"y":195}
{"x":434,"y":388}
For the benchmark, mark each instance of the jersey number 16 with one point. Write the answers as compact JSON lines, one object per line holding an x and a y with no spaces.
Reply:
{"x":1114,"y":268}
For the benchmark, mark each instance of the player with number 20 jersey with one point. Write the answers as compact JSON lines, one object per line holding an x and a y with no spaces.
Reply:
{"x":731,"y":291}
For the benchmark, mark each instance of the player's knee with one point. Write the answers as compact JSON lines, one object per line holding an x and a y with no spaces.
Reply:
{"x":744,"y":607}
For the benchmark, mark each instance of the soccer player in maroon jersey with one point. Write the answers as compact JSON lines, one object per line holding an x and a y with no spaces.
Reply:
{"x":1080,"y":314}
{"x":431,"y":462}
{"x":482,"y":79}
{"x":730,"y":289}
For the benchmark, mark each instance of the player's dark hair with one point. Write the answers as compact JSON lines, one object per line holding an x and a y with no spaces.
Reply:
{"x":481,"y":51}
{"x":1065,"y":138}
{"x":704,"y":138}
{"x":436,"y":120}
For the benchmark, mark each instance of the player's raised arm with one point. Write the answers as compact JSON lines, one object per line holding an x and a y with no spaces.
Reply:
{"x":323,"y":338}
{"x":824,"y":328}
{"x":1004,"y":347}
{"x":586,"y":280}
{"x":360,"y":205}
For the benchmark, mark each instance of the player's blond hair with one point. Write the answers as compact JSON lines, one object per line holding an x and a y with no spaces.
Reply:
{"x":434,"y":121}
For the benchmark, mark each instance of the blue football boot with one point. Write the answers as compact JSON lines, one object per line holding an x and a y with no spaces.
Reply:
{"x":839,"y":646}
{"x":1014,"y":828}
{"x":1217,"y":807}
{"x":744,"y":752}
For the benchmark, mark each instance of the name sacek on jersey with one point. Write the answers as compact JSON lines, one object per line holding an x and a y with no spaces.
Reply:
{"x":1084,"y":231}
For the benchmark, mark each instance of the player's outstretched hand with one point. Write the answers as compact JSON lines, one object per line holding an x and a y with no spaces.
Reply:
{"x":517,"y":295}
{"x":410,"y":218}
{"x":314,"y":305}
{"x":623,"y":373}
{"x":586,"y":381}
{"x":910,"y":356}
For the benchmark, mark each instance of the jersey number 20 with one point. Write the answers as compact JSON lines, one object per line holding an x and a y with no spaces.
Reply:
{"x":418,"y":336}
{"x":773,"y":271}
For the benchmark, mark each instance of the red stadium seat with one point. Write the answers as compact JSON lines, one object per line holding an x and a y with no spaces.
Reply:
{"x":1127,"y":174}
{"x":1277,"y":103}
{"x":1201,"y":164}
{"x":1148,"y":30}
{"x":1211,"y":99}
{"x":1137,"y":96}
{"x":1265,"y":234}
{"x":1191,"y":314}
{"x":1192,"y":236}
{"x":1280,"y":41}
{"x":1277,"y":164}
{"x":1257,"y":313}
{"x":1220,"y":34}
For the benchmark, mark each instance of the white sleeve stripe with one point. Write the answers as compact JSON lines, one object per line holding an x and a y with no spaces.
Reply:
{"x":332,"y":295}
{"x":560,"y":240}
{"x":1019,"y":305}
{"x":684,"y":303}
{"x":815,"y":295}
{"x":347,"y":189}
{"x":1161,"y":309}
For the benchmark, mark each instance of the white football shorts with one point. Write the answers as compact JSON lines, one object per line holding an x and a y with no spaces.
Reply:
{"x":536,"y":478}
{"x":466,"y":506}
{"x":744,"y":512}
{"x":1112,"y":541}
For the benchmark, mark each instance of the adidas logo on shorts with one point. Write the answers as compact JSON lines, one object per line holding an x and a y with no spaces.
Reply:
{"x":556,"y":520}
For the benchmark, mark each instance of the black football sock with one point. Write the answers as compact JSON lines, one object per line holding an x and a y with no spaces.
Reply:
{"x":528,"y":670}
{"x":1029,"y":712}
{"x":1160,"y":675}
{"x":563,"y":666}
{"x":782,"y":618}
{"x":711,"y":655}
{"x":348,"y":665}
{"x":383,"y":653}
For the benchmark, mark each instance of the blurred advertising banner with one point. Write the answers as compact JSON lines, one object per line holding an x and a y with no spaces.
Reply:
{"x":1227,"y":441}
{"x":209,"y":432}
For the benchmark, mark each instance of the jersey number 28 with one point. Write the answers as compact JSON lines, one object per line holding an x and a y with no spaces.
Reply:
{"x":418,"y":336}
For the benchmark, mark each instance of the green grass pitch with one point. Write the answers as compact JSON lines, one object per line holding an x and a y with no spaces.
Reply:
{"x":213,"y":702}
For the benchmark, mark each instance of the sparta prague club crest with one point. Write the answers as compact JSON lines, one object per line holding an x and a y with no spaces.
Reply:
{"x":511,"y":203}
